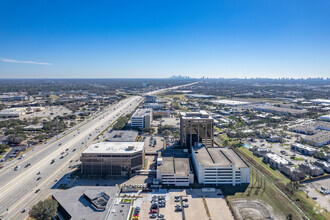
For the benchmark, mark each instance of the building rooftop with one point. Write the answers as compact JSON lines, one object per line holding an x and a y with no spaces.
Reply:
{"x":195,"y":115}
{"x":200,"y":96}
{"x":301,"y":146}
{"x":230,"y":102}
{"x":319,"y":138}
{"x":79,"y":206}
{"x":277,"y":158}
{"x":123,"y":136}
{"x":175,"y":161}
{"x":120,"y":212}
{"x":115,"y":148}
{"x":141,"y":112}
{"x":218,"y":157}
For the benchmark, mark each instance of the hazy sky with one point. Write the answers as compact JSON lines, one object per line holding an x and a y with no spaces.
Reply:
{"x":160,"y":38}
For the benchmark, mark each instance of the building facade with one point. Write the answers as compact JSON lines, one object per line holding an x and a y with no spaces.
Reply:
{"x":196,"y":127}
{"x":142,"y":118}
{"x":217,"y":166}
{"x":113,"y":158}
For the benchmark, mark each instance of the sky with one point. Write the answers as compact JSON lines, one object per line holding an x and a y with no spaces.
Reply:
{"x":161,"y":38}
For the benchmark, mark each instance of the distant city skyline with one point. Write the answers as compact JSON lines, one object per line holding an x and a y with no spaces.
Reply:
{"x":159,"y":39}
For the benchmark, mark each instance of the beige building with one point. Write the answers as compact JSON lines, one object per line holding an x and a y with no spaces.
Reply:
{"x":196,"y":127}
{"x":113,"y":158}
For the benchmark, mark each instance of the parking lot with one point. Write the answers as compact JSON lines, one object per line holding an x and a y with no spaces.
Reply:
{"x":50,"y":112}
{"x":194,"y":205}
{"x":313,"y":189}
{"x":155,"y":144}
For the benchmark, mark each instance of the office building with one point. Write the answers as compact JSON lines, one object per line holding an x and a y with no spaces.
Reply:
{"x":196,"y":127}
{"x":142,"y":118}
{"x":151,"y":99}
{"x":113,"y":158}
{"x":217,"y":166}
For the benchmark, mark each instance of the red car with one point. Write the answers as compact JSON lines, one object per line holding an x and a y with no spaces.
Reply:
{"x":153,"y":211}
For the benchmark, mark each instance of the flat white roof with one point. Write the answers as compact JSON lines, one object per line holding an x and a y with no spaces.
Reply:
{"x":115,"y":148}
{"x":230,"y":102}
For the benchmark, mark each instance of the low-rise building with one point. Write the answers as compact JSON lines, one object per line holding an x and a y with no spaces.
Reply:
{"x":323,"y":164}
{"x":319,"y":139}
{"x":310,"y":169}
{"x":260,"y":151}
{"x":153,"y":106}
{"x":12,"y":112}
{"x":325,"y":117}
{"x":112,"y":158}
{"x":275,"y":161}
{"x":274,"y":138}
{"x":279,"y":110}
{"x":174,"y":169}
{"x":293,"y":173}
{"x":217,"y":166}
{"x":151,"y":99}
{"x":303,"y":149}
{"x":142,"y":118}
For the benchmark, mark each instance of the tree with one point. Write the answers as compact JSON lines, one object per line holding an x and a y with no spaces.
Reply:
{"x":44,"y":210}
{"x":15,"y":139}
{"x":3,"y":148}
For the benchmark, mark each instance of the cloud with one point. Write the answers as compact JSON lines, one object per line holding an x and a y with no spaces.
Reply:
{"x":17,"y":61}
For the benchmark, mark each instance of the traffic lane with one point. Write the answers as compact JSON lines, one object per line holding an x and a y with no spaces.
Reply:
{"x":7,"y":176}
{"x":84,"y":132}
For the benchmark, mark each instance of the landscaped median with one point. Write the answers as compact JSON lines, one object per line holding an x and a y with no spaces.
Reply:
{"x":308,"y":205}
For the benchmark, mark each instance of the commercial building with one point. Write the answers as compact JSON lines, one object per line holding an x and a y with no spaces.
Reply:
{"x":151,"y":99}
{"x":275,"y":161}
{"x":123,"y":136}
{"x":142,"y":118}
{"x":216,"y":166}
{"x":153,"y":105}
{"x":319,"y":139}
{"x":199,"y":96}
{"x":303,"y":149}
{"x":279,"y":110}
{"x":325,"y":117}
{"x":85,"y":202}
{"x":113,"y":158}
{"x":11,"y":98}
{"x":321,"y":101}
{"x":12,"y":112}
{"x":173,"y":168}
{"x":231,"y":102}
{"x":196,"y":127}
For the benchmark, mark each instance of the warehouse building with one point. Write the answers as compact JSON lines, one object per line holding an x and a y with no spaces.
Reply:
{"x":113,"y":158}
{"x":217,"y":166}
{"x":173,"y":168}
{"x":319,"y":139}
{"x":142,"y":118}
{"x":279,"y":110}
{"x":303,"y":149}
{"x":323,"y":164}
{"x":196,"y":127}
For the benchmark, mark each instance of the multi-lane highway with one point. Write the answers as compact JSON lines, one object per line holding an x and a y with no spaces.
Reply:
{"x":16,"y":187}
{"x":40,"y":169}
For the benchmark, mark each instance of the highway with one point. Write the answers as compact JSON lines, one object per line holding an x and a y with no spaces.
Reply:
{"x":18,"y":186}
{"x":32,"y":182}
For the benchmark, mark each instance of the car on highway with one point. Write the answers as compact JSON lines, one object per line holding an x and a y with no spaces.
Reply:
{"x":53,"y":161}
{"x":38,"y":178}
{"x":25,"y":210}
{"x":74,"y":150}
{"x":39,"y":173}
{"x":27,"y":165}
{"x":38,"y":190}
